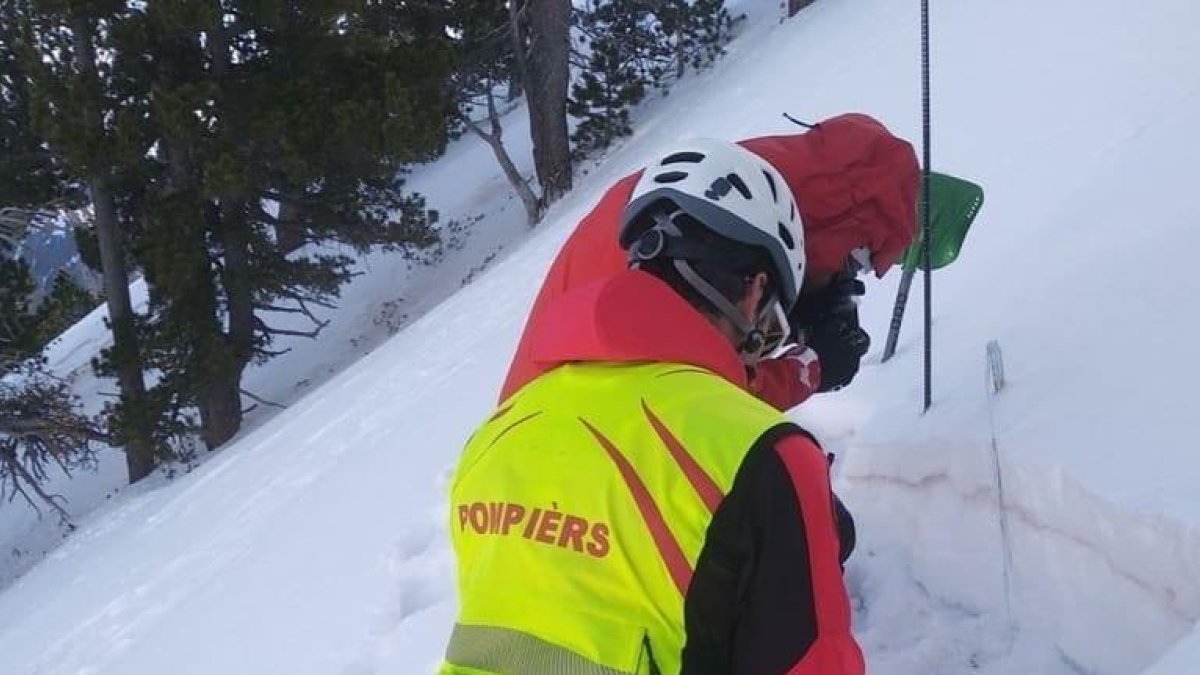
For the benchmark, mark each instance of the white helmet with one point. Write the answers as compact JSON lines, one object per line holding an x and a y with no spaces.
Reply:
{"x":734,"y":193}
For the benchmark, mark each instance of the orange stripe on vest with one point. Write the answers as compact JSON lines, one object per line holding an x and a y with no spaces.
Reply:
{"x":708,"y":491}
{"x":668,"y":547}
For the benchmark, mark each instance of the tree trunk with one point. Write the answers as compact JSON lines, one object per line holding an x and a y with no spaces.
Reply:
{"x":533,"y":207}
{"x":514,"y":89}
{"x":240,"y":297}
{"x":137,"y":434}
{"x":238,"y":287}
{"x":680,"y":56}
{"x":219,"y":397}
{"x":213,"y":364}
{"x":220,"y":403}
{"x":289,"y":228}
{"x":547,"y":77}
{"x":217,"y":367}
{"x":139,"y":445}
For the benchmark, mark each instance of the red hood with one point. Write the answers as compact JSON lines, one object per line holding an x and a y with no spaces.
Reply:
{"x":855,"y":185}
{"x":630,"y":316}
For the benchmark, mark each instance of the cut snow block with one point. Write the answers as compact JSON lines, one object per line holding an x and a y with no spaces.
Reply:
{"x":995,"y":367}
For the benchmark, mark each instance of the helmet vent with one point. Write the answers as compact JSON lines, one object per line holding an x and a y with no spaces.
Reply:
{"x":670,"y":177}
{"x":688,"y":157}
{"x":786,"y":236}
{"x":771,"y":182}
{"x":737,"y":182}
{"x":792,"y":217}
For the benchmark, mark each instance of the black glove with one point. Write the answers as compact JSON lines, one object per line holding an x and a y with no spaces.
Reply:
{"x":837,"y":297}
{"x":827,"y":321}
{"x":840,"y":345}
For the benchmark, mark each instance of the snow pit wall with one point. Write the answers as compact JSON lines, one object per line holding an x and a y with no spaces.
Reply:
{"x":1112,"y":591}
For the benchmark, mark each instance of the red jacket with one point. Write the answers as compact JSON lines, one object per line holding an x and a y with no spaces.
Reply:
{"x":776,"y":601}
{"x":855,"y":184}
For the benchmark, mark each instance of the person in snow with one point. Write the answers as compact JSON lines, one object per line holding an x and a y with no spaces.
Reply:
{"x":855,"y":186}
{"x":631,"y":507}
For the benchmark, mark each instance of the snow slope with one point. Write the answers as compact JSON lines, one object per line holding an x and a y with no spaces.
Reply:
{"x":315,"y":544}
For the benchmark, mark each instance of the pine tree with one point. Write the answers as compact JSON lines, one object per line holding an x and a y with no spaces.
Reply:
{"x":313,"y":107}
{"x":65,"y":305}
{"x":89,"y":125}
{"x":40,"y":424}
{"x":696,"y":29}
{"x":624,"y":58}
{"x":17,"y":339}
{"x":41,"y":429}
{"x":30,"y":175}
{"x":626,"y":48}
{"x":226,"y":147}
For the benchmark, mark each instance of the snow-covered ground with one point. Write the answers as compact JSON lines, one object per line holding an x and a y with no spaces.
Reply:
{"x":316,"y":544}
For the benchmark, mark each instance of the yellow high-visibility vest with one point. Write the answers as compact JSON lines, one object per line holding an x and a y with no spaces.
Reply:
{"x":578,"y":512}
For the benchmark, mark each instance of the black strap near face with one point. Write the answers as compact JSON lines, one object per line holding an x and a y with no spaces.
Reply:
{"x":665,"y":240}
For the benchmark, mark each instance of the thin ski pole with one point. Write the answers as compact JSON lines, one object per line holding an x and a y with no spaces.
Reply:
{"x":995,"y":383}
{"x":893,"y":337}
{"x":926,"y":220}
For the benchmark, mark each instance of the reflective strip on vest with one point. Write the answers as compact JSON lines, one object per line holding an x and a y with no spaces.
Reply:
{"x":504,"y":650}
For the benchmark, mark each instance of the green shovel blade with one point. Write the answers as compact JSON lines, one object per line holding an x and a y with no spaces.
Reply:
{"x":953,"y":204}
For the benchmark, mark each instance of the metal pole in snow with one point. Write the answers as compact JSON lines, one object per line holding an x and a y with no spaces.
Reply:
{"x":926,"y":220}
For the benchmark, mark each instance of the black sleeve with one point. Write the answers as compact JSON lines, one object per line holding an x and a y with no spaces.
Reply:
{"x":847,"y":533}
{"x":750,"y":609}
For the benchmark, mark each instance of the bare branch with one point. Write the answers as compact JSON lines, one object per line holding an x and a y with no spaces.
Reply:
{"x":272,"y":353}
{"x":493,"y":116}
{"x":533,"y":206}
{"x":18,"y":477}
{"x":485,"y":45}
{"x":514,"y":24}
{"x":15,"y":488}
{"x":298,"y":294}
{"x":277,"y":308}
{"x":308,"y":313}
{"x":262,"y":326}
{"x":301,"y":308}
{"x":46,"y":428}
{"x":263,"y":401}
{"x":474,"y":127}
{"x":295,"y":333}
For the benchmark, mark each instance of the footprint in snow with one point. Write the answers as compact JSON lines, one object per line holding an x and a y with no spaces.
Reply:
{"x":421,"y":572}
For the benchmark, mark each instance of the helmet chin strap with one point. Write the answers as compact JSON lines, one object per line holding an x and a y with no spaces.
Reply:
{"x":753,"y":340}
